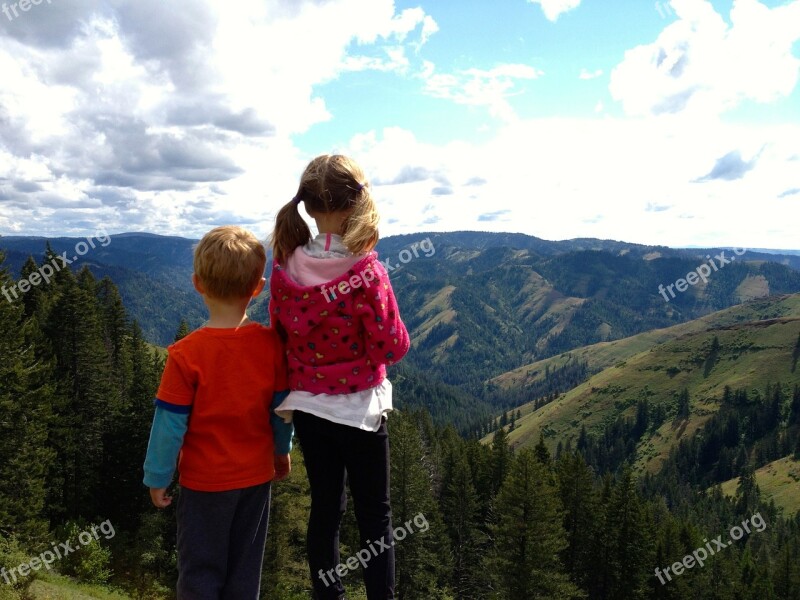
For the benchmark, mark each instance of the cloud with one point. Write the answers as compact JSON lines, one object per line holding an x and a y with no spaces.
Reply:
{"x":552,"y":9}
{"x":730,"y":167}
{"x":701,"y":64}
{"x":494,"y":216}
{"x":477,"y":87}
{"x":139,"y":109}
{"x":408,"y":174}
{"x":790,"y":192}
{"x":585,"y":74}
{"x":586,"y":177}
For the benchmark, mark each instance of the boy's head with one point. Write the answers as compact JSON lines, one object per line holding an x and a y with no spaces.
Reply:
{"x":229,"y":263}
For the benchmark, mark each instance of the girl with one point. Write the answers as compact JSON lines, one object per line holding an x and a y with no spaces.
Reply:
{"x":332,"y":302}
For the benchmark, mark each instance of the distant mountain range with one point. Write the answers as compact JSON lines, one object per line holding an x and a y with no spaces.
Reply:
{"x":477,"y":304}
{"x":628,"y":352}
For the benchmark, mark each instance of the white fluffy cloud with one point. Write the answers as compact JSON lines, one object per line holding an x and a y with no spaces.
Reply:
{"x":139,"y":116}
{"x":156,"y":115}
{"x":702,"y":64}
{"x":552,"y":9}
{"x":476,"y":87}
{"x":656,"y":181}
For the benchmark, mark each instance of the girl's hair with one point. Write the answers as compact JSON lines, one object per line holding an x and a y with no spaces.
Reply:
{"x":330,"y":183}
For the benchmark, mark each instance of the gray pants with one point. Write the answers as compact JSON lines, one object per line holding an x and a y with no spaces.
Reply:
{"x":221,"y":537}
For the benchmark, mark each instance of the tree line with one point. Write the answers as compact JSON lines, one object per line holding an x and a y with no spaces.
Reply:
{"x":77,"y":381}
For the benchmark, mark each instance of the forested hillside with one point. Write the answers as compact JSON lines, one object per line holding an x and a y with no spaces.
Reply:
{"x":568,"y":516}
{"x":495,"y":302}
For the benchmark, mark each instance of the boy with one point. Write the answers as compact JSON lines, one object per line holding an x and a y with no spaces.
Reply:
{"x":214,"y":410}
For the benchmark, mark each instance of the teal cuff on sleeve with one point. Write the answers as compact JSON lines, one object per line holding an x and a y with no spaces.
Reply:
{"x":282,"y":433}
{"x":166,"y":439}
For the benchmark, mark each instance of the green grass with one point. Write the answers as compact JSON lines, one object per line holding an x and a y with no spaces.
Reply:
{"x":757,"y":341}
{"x":607,"y":354}
{"x":779,"y":480}
{"x":49,"y":586}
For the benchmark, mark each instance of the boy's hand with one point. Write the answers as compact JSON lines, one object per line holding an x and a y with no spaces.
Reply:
{"x":283,"y":466}
{"x":160,"y":498}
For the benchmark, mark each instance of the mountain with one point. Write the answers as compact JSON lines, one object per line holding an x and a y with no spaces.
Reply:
{"x":630,"y":452}
{"x":757,"y":346}
{"x":702,"y":397}
{"x":477,"y":304}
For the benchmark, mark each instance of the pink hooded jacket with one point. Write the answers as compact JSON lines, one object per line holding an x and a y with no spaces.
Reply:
{"x":341,"y":335}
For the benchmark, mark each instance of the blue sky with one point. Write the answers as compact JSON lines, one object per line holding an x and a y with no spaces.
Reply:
{"x":671,"y":122}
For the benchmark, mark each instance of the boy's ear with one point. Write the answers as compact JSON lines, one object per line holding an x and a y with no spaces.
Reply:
{"x":259,"y":287}
{"x":198,"y":285}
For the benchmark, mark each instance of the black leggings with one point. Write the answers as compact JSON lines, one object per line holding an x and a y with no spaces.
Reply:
{"x":333,"y":453}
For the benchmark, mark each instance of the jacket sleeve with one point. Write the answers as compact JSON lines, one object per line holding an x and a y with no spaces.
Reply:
{"x":386,"y":336}
{"x":170,"y":423}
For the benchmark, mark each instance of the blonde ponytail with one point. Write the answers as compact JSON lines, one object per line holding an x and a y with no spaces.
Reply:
{"x":360,"y":230}
{"x":291,"y":231}
{"x":329,"y":184}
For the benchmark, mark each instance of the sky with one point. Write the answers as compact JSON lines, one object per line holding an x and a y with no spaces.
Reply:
{"x":675,"y":122}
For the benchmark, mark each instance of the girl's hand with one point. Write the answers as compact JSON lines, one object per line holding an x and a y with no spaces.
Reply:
{"x":283,"y":466}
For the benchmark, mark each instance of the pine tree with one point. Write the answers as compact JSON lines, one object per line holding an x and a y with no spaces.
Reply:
{"x":85,"y":387}
{"x":541,"y":452}
{"x":114,"y":319}
{"x":126,"y":436}
{"x":579,"y":501}
{"x":529,"y":535}
{"x":183,"y":330}
{"x":747,"y":492}
{"x":32,"y":300}
{"x":421,"y":557}
{"x":631,"y":555}
{"x":500,"y":460}
{"x":683,"y":404}
{"x":461,"y":510}
{"x":602,"y":545}
{"x":25,"y":397}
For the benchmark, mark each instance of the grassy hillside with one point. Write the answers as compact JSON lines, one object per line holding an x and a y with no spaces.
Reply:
{"x":756,"y":346}
{"x":55,"y":587}
{"x":779,"y":480}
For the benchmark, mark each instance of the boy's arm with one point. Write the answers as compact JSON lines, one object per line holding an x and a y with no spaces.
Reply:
{"x":387,"y":338}
{"x":170,"y":423}
{"x":282,"y":432}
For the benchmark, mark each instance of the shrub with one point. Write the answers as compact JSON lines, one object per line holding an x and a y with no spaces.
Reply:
{"x":88,"y":563}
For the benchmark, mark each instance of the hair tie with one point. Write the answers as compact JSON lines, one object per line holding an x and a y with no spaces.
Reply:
{"x":297,"y":199}
{"x":361,"y":186}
